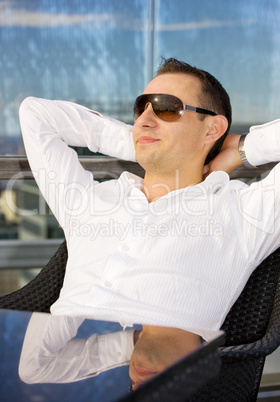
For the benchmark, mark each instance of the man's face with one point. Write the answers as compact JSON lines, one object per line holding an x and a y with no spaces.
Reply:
{"x":158,"y":348}
{"x":168,"y":146}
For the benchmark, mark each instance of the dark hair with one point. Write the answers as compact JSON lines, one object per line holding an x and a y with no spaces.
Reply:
{"x":213,"y":95}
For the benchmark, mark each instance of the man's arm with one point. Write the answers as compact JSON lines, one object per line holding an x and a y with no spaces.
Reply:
{"x":49,"y":354}
{"x":228,"y":159}
{"x":259,"y":203}
{"x":48,"y":128}
{"x":261,"y":145}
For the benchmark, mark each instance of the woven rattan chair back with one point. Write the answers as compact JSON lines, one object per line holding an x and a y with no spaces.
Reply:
{"x":248,"y":319}
{"x":40,"y":293}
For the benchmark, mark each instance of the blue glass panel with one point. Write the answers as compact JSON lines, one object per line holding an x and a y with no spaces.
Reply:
{"x":237,"y":41}
{"x":90,"y":52}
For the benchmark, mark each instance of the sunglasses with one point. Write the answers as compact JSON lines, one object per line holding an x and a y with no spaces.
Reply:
{"x":166,"y":107}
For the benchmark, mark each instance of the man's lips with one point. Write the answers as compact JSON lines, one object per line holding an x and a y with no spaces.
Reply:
{"x":147,"y":140}
{"x":144,"y":373}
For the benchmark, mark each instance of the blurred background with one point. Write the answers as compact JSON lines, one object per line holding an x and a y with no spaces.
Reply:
{"x":102,"y":54}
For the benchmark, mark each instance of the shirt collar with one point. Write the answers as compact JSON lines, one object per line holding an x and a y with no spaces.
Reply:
{"x":214,"y":182}
{"x":128,"y":179}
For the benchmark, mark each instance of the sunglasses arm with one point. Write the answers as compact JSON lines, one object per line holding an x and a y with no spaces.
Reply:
{"x":200,"y":110}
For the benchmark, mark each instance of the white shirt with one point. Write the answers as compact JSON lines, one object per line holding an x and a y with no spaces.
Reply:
{"x":180,"y":261}
{"x":51,"y":355}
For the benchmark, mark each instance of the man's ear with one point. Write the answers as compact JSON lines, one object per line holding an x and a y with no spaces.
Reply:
{"x":217,"y":127}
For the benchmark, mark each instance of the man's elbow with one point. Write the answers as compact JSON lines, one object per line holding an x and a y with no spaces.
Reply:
{"x":33,"y":370}
{"x":28,"y":373}
{"x":26,"y":106}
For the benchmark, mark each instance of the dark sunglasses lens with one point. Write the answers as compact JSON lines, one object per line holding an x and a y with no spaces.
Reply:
{"x":166,"y":107}
{"x":139,"y":106}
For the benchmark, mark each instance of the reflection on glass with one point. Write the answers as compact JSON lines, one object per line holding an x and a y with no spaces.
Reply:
{"x":156,"y":349}
{"x":52,"y":353}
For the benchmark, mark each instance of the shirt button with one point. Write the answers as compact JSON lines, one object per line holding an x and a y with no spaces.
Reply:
{"x":118,"y":354}
{"x":125,"y":247}
{"x":108,"y":284}
{"x":121,"y":137}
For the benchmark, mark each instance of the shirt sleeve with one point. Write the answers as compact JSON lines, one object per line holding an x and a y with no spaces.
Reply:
{"x":50,"y":355}
{"x":262,"y":143}
{"x":259,"y":203}
{"x":48,"y":129}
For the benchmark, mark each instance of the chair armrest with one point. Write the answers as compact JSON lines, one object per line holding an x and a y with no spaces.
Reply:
{"x":261,"y":348}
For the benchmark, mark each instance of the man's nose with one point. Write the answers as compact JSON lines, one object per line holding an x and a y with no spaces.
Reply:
{"x":148,"y":107}
{"x":147,"y":118}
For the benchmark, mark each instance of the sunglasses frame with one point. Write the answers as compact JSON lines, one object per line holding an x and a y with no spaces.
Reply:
{"x":150,"y":101}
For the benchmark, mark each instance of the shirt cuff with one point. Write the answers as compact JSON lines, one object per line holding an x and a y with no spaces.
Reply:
{"x":115,"y":349}
{"x":116,"y":140}
{"x":262,"y":143}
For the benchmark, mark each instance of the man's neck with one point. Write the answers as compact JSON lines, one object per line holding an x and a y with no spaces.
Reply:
{"x":156,"y":186}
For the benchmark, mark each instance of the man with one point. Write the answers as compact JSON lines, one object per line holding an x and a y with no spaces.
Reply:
{"x":173,"y":251}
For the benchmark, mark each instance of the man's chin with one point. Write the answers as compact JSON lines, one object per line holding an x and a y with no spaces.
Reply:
{"x":137,"y":382}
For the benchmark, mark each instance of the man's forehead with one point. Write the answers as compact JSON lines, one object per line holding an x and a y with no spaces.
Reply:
{"x":174,"y":84}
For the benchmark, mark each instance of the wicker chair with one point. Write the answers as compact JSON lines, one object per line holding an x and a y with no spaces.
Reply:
{"x":252,"y":329}
{"x":40,"y":293}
